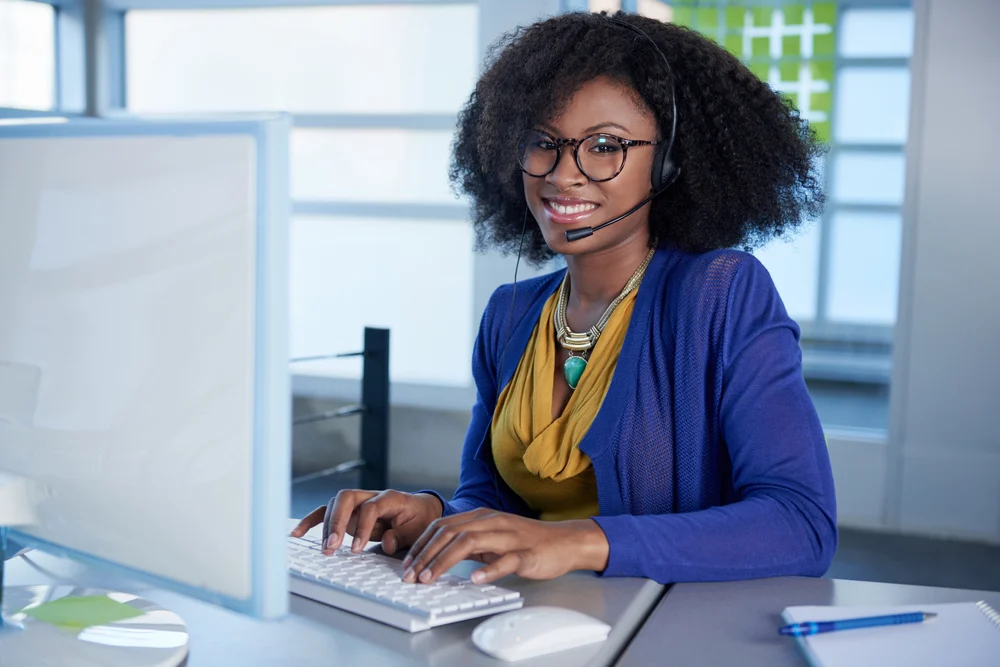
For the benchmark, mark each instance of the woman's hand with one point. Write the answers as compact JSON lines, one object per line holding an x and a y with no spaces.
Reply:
{"x":395,"y":518}
{"x":508,"y":544}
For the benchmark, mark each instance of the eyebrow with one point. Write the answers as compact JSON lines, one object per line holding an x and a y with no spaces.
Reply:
{"x":593,"y":128}
{"x":601,"y":126}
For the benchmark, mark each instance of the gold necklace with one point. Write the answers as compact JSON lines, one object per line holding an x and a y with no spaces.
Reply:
{"x":582,"y":343}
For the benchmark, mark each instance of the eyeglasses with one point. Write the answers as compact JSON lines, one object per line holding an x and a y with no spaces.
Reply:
{"x":600,"y":157}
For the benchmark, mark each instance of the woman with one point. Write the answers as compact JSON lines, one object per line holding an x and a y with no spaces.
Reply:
{"x":675,"y":439}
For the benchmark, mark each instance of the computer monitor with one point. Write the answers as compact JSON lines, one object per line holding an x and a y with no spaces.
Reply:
{"x":144,"y":388}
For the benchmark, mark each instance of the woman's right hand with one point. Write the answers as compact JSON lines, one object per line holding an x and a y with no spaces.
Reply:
{"x":396,"y":519}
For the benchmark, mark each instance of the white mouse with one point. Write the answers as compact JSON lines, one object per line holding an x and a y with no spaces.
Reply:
{"x":533,"y":631}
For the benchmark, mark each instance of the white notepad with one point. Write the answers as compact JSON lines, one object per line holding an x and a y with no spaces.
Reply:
{"x":964,"y":633}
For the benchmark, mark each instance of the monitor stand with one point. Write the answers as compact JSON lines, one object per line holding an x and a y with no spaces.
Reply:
{"x":156,"y":638}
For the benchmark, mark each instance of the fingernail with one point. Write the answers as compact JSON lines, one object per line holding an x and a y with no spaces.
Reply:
{"x":408,"y":576}
{"x":356,"y":544}
{"x":330,"y":543}
{"x":425,"y":576}
{"x":478,"y":577}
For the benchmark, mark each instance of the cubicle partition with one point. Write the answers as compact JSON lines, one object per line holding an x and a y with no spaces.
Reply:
{"x":144,"y":386}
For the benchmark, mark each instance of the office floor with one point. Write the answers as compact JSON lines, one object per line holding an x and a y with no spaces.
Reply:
{"x":862,"y":555}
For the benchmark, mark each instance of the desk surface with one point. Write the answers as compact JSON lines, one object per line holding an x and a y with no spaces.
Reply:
{"x":316,"y":634}
{"x":736,"y":623}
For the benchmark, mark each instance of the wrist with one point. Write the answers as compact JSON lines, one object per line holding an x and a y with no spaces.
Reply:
{"x":434,"y":505}
{"x":590,"y":546}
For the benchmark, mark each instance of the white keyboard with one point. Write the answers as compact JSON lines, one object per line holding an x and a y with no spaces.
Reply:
{"x":371,"y":585}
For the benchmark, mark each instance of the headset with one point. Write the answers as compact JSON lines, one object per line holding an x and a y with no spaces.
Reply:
{"x":664,"y":173}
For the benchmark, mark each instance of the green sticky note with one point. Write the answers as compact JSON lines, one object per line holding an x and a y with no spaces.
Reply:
{"x":761,"y":69}
{"x":684,"y":16}
{"x":80,"y":612}
{"x":735,"y":17}
{"x":794,"y":14}
{"x":822,"y":69}
{"x":822,"y":131}
{"x":734,"y":44}
{"x":825,"y":12}
{"x":708,"y":19}
{"x":762,"y":16}
{"x":789,"y":71}
{"x":824,"y":45}
{"x":760,"y":47}
{"x":791,"y":46}
{"x":822,"y":102}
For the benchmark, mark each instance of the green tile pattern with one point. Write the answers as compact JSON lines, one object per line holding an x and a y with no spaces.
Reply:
{"x":790,"y":44}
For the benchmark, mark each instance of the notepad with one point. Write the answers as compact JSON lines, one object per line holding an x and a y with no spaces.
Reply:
{"x":964,"y":633}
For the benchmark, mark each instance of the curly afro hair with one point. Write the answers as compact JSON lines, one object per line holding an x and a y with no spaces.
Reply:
{"x":747,"y":159}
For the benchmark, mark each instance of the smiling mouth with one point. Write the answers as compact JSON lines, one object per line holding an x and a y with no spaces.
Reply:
{"x":568,"y":213}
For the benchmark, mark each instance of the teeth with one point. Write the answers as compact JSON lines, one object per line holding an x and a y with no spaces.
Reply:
{"x":570,"y":210}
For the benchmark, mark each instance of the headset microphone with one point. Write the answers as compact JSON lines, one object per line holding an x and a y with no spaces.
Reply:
{"x":584,"y":232}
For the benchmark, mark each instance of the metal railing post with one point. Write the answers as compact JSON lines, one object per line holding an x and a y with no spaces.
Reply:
{"x":375,"y":418}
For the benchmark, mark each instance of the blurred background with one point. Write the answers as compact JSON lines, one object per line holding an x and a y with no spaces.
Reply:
{"x":379,"y":239}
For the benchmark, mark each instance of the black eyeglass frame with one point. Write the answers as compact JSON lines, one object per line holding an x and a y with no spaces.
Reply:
{"x":576,"y":143}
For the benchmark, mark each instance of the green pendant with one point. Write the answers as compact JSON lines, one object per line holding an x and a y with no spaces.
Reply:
{"x":573,"y":369}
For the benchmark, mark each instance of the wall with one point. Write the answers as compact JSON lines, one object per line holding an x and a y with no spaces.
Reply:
{"x":944,"y":448}
{"x":938,"y":472}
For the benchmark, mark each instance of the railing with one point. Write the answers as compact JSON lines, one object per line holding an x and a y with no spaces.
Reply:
{"x":374,"y":411}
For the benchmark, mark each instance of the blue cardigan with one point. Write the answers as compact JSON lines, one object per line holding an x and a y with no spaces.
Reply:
{"x":710,"y":459}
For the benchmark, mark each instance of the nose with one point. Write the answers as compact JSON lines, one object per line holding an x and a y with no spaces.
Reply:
{"x":567,"y":174}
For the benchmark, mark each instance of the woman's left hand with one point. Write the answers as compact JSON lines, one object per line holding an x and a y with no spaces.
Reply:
{"x":508,"y":544}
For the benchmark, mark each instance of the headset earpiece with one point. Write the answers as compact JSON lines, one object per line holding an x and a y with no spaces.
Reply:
{"x":664,"y":171}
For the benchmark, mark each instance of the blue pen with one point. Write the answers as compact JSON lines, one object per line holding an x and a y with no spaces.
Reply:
{"x":816,"y":627}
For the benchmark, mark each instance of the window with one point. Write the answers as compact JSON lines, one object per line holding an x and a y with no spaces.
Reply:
{"x":302,"y":59}
{"x":387,"y":284}
{"x":873,"y":105}
{"x":842,"y":69}
{"x":369,"y":160}
{"x":394,"y":165}
{"x":27,"y":55}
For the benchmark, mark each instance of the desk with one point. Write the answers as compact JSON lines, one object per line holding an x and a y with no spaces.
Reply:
{"x":736,"y":623}
{"x":314,"y":634}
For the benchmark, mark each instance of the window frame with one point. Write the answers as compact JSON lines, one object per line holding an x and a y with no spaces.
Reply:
{"x":873,"y":337}
{"x":332,"y":121}
{"x":68,"y":77}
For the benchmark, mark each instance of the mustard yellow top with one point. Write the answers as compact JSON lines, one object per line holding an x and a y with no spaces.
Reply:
{"x":538,"y":456}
